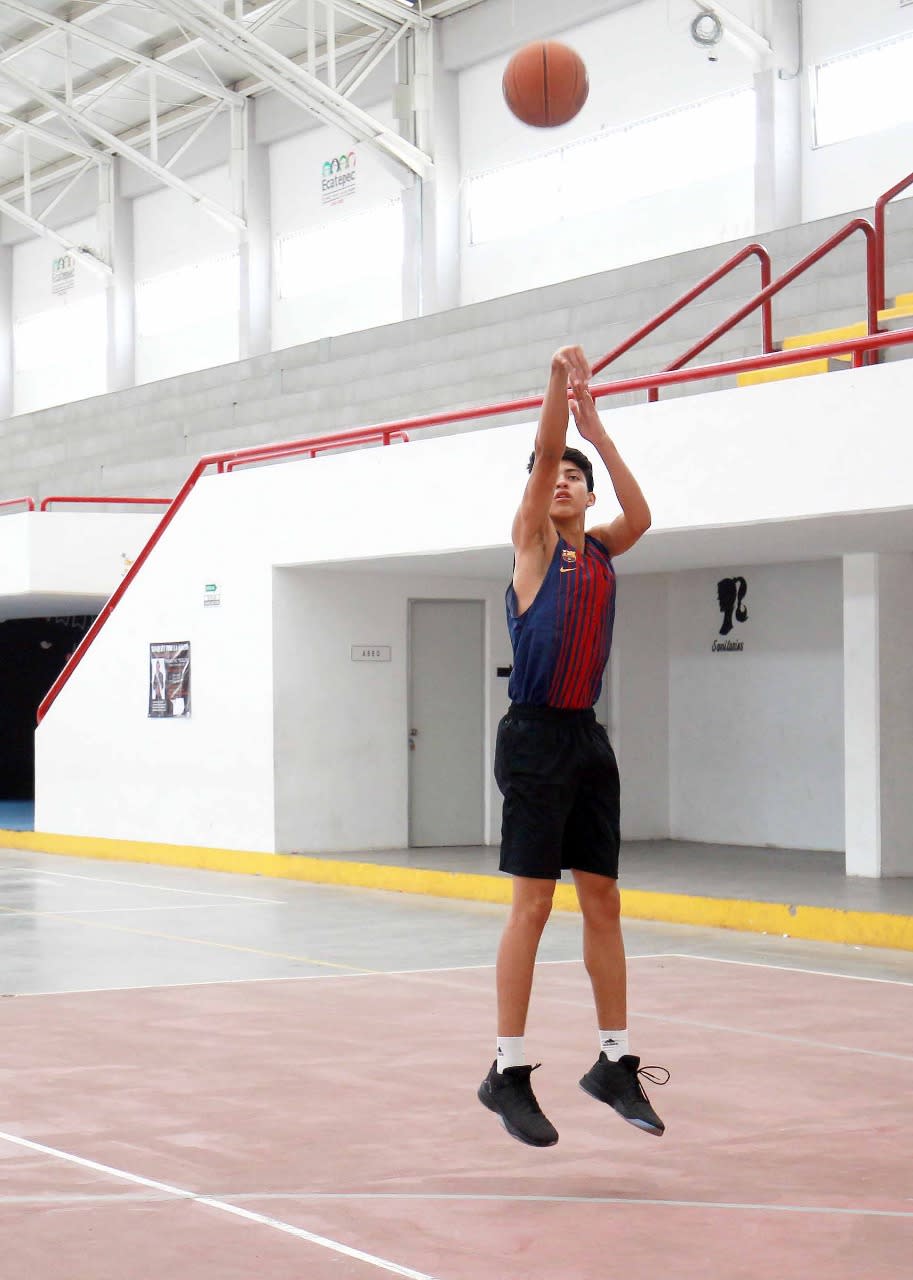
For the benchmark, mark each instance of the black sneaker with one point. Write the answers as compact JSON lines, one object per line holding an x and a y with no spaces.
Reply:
{"x":509,"y":1095}
{"x":617,"y":1084}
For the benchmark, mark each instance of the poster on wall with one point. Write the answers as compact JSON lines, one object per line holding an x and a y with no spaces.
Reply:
{"x":730,"y":596}
{"x":169,"y":680}
{"x":63,"y":273}
{"x":337,"y":178}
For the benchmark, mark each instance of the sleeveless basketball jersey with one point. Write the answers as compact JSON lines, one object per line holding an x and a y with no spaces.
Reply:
{"x":561,"y":643}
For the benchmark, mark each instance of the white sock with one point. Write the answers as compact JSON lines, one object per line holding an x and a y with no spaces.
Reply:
{"x":510,"y":1052}
{"x":614,"y":1044}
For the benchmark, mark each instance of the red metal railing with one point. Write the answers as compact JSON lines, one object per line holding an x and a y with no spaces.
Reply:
{"x":881,"y":205}
{"x":750,"y":250}
{"x":154,"y":502}
{"x":17,"y":502}
{"x":851,"y":346}
{"x":762,"y":298}
{"x":342,"y":439}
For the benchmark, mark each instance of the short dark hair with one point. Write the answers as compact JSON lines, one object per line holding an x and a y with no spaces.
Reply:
{"x":579,"y":460}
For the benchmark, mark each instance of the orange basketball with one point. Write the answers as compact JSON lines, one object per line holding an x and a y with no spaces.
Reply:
{"x":545,"y":84}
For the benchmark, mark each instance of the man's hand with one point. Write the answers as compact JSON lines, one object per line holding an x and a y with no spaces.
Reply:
{"x":584,"y":410}
{"x":573,"y":364}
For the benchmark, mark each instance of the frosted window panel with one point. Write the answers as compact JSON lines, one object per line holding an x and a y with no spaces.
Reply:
{"x":864,"y":92}
{"x":188,"y":296}
{"x":518,"y":198}
{"x":344,"y":253}
{"x":60,"y":355}
{"x":668,"y":153}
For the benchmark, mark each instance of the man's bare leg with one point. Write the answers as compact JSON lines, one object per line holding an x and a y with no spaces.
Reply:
{"x":530,"y":908}
{"x":603,"y":947}
{"x":613,"y":1078}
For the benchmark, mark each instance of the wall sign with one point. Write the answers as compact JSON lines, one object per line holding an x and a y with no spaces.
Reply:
{"x":730,"y":595}
{"x":371,"y":653}
{"x":63,"y":273}
{"x":337,"y":179}
{"x":169,"y":681}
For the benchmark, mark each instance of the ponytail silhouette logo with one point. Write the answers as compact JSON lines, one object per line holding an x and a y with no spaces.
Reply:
{"x":730,"y":594}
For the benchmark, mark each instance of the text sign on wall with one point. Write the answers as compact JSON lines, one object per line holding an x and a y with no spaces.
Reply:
{"x":337,"y":179}
{"x":371,"y":652}
{"x":63,"y":273}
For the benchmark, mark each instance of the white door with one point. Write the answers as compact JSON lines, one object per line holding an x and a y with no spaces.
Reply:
{"x":446,"y":732}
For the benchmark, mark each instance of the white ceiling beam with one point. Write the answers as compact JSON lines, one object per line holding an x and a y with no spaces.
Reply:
{"x":82,"y":125}
{"x":18,"y":215}
{"x":53,"y":139}
{"x":37,"y":38}
{"x":288,"y":79}
{"x":174,"y":121}
{"x":202,"y":87}
{"x":374,"y":56}
{"x":398,"y":14}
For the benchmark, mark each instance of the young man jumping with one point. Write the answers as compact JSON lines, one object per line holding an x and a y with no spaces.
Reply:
{"x":553,"y":761}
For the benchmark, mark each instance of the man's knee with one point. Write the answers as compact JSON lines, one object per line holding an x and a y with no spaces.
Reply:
{"x":600,"y":904}
{"x":532,"y":904}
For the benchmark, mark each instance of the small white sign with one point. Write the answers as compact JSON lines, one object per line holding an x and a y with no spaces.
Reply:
{"x":212,"y":595}
{"x":371,"y":653}
{"x":63,"y":273}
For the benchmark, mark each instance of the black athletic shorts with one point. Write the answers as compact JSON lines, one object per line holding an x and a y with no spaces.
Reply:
{"x":557,"y":772}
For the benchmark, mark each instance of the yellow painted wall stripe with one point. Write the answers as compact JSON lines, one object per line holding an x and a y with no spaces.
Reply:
{"x":781,"y":372}
{"x":857,"y":330}
{"x":819,"y":924}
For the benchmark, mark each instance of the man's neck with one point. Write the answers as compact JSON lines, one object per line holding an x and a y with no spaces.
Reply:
{"x":572,"y":531}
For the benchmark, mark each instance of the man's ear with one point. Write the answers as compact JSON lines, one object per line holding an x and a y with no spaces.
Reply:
{"x":590,"y":498}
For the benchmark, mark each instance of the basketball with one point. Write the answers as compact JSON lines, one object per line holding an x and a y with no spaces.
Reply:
{"x":545,"y":84}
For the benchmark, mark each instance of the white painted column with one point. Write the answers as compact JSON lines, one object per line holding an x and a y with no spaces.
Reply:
{"x":878,"y":714}
{"x":427,"y":109}
{"x":6,"y":332}
{"x":255,"y":249}
{"x":778,"y":123}
{"x":115,"y":227}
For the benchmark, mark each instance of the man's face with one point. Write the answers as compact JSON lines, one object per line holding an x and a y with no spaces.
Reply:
{"x":571,"y":498}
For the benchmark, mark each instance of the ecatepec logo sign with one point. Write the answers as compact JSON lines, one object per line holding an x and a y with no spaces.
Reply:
{"x":730,"y":596}
{"x":337,"y":178}
{"x":63,"y":273}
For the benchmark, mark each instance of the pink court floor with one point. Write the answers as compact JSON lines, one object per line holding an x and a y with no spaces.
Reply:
{"x":206,"y":1077}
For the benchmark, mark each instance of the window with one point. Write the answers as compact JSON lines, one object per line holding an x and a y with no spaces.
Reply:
{"x":188,"y":296}
{"x":665,"y":153}
{"x":864,"y":92}
{"x":348,"y":251}
{"x":63,"y":336}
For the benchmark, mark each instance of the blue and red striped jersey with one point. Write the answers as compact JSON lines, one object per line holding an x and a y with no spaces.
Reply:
{"x":561,"y":643}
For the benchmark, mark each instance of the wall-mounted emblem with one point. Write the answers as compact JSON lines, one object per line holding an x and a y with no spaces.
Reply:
{"x":730,"y":595}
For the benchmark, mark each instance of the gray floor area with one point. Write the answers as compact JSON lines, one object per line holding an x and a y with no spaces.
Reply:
{"x":795,"y":877}
{"x":73,"y":925}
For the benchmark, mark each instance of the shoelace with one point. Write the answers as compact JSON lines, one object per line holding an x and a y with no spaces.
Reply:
{"x":645,"y":1072}
{"x":526,"y":1089}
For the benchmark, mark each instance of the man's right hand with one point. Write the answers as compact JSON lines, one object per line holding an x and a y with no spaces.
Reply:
{"x":572,"y":364}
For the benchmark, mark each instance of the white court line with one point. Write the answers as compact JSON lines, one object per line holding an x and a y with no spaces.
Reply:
{"x":291,"y":977}
{"x":97,"y":911}
{"x":317,"y":1197}
{"x":787,"y":968}
{"x":223,"y":1206}
{"x":595,"y":1200}
{"x":138,"y":884}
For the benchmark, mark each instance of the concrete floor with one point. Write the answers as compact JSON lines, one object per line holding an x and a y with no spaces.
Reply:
{"x":793,"y":876}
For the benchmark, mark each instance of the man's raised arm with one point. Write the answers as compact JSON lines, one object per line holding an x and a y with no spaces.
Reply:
{"x":569,"y":367}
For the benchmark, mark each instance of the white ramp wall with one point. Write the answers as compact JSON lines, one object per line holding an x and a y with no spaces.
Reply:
{"x":778,"y":472}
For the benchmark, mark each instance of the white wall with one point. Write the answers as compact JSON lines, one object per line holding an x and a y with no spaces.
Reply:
{"x":372,"y":293}
{"x":171,"y":231}
{"x":756,"y":736}
{"x":757,"y":466}
{"x":641,"y":63}
{"x":73,"y":367}
{"x":850,"y":175}
{"x":356,"y":714}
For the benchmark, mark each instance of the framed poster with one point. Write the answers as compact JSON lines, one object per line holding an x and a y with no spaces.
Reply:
{"x":169,"y":680}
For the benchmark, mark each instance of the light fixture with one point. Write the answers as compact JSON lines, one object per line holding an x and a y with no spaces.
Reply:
{"x":706,"y":29}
